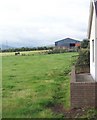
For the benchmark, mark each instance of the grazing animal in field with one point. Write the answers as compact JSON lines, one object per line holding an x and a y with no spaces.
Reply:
{"x":17,"y":53}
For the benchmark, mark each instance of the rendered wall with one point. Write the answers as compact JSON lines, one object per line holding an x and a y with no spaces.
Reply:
{"x":96,"y":49}
{"x":92,"y":37}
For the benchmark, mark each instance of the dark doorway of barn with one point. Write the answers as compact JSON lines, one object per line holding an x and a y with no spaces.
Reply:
{"x":72,"y":45}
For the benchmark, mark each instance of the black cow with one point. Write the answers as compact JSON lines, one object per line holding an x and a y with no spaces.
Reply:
{"x":17,"y":53}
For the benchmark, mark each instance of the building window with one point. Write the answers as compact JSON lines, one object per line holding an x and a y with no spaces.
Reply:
{"x":93,"y":49}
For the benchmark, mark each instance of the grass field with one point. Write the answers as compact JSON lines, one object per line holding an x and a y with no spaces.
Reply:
{"x":32,"y":84}
{"x":23,"y":53}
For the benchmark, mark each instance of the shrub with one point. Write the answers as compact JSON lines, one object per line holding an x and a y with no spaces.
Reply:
{"x":85,"y":43}
{"x":84,"y":57}
{"x":57,"y":50}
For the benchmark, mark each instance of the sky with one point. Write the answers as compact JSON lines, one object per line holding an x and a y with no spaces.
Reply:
{"x":42,"y":22}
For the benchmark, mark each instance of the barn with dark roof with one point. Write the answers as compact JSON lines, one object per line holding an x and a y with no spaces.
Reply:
{"x":67,"y":43}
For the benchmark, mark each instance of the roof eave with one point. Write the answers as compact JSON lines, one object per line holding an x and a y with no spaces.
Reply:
{"x":90,"y":19}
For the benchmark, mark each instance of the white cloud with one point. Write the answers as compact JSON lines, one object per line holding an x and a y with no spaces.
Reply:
{"x":48,"y":20}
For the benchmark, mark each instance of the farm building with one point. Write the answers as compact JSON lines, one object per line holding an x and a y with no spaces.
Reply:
{"x":67,"y":43}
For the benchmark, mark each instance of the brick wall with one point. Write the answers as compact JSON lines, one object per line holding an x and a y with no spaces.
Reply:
{"x":96,"y":95}
{"x":83,"y":94}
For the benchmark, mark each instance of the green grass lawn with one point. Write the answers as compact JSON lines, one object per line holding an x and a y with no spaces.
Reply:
{"x":31,"y":84}
{"x":23,"y":53}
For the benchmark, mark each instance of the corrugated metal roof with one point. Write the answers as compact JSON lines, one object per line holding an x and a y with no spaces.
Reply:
{"x":68,"y":39}
{"x":96,"y":7}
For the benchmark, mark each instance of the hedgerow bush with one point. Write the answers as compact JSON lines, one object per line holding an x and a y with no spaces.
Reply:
{"x":84,"y":57}
{"x":56,"y":50}
{"x":61,"y":50}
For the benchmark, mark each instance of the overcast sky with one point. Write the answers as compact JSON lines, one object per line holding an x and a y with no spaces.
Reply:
{"x":42,"y":22}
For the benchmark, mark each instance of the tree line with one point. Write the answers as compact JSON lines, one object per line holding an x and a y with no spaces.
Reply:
{"x":26,"y":49}
{"x":84,"y":44}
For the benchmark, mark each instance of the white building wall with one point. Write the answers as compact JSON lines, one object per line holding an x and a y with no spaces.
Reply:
{"x":96,"y":48}
{"x":92,"y":37}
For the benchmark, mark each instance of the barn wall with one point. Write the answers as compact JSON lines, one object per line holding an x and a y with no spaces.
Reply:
{"x":66,"y":42}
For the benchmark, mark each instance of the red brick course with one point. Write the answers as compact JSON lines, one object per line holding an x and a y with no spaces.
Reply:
{"x":83,"y":94}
